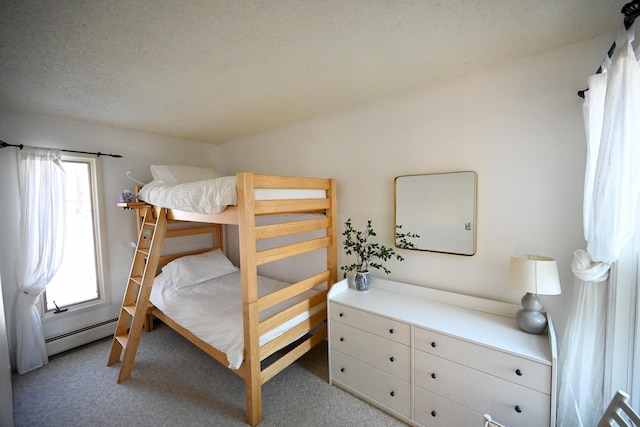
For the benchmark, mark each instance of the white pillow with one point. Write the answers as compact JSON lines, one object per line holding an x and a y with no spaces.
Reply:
{"x":194,"y":269}
{"x":179,"y":174}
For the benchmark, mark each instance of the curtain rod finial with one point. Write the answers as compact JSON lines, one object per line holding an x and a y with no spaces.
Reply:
{"x":631,"y":11}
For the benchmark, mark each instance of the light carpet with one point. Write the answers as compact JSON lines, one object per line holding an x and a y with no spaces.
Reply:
{"x":175,"y":384}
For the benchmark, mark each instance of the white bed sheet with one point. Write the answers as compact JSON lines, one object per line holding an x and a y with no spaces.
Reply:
{"x":211,"y":196}
{"x":212,"y":310}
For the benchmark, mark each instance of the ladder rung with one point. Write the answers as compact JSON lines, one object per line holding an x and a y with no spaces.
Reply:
{"x":122,"y":339}
{"x":144,"y":251}
{"x":131,"y":309}
{"x":137,"y":279}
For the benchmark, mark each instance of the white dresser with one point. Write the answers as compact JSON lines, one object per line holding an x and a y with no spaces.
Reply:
{"x":436,"y":358}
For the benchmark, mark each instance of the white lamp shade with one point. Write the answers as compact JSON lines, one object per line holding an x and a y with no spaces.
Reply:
{"x":535,"y":274}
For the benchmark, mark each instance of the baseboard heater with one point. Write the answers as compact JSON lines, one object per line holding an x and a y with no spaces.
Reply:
{"x":76,"y":338}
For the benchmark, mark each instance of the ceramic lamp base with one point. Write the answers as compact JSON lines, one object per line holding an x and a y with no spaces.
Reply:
{"x":530,"y":319}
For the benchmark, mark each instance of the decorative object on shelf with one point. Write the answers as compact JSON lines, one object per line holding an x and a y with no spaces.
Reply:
{"x":537,"y":275}
{"x":370,"y":254}
{"x":127,"y":197}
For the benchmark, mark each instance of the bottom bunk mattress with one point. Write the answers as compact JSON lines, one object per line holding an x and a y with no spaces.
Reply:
{"x":210,"y":304}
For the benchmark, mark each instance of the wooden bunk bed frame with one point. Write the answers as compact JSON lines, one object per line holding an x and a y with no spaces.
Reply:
{"x":312,"y":331}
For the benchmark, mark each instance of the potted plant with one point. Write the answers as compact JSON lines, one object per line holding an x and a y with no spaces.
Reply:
{"x":370,"y":254}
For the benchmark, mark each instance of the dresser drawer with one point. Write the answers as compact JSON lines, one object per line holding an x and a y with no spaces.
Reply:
{"x":509,"y":402}
{"x":378,"y":325}
{"x":504,"y":365}
{"x":384,"y":388}
{"x":390,"y":356}
{"x":435,"y":411}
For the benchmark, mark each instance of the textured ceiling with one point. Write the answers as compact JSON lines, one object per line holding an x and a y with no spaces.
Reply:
{"x":215,"y":70}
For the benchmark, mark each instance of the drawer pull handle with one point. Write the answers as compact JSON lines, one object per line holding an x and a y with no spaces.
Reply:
{"x":341,"y":314}
{"x":433,"y":344}
{"x":433,"y":375}
{"x":518,"y":409}
{"x":391,"y":359}
{"x":433,"y":413}
{"x":341,"y":369}
{"x":518,"y":372}
{"x":393,"y":393}
{"x":391,"y":330}
{"x":341,"y":338}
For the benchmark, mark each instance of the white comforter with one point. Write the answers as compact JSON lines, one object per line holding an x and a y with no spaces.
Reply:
{"x":212,"y":310}
{"x":211,"y":196}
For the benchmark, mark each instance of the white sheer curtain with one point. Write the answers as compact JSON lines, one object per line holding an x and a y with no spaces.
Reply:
{"x":612,"y":122}
{"x":42,"y":226}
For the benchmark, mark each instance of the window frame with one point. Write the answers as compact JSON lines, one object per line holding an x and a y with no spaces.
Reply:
{"x":99,"y":227}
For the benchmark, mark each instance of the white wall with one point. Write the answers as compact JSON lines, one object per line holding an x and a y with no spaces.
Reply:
{"x":518,"y":125}
{"x":139,"y":151}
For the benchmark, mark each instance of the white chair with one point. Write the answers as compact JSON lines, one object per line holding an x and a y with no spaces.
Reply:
{"x":489,"y":422}
{"x":619,"y":413}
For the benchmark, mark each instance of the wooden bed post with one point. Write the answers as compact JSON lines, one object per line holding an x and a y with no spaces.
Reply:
{"x":332,"y":250}
{"x":249,"y":275}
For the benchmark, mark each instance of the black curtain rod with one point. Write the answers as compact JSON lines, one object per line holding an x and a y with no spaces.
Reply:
{"x":631,"y":11}
{"x":20,"y":146}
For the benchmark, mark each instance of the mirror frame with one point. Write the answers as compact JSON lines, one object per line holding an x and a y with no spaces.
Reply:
{"x":472,"y":223}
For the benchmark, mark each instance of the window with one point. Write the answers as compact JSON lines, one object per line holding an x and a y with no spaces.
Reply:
{"x":79,"y":282}
{"x":622,"y":358}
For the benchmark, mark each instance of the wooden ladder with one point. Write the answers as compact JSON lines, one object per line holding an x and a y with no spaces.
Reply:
{"x":136,"y":297}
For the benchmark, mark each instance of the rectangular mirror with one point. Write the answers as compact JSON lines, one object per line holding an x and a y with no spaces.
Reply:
{"x":441,"y":208}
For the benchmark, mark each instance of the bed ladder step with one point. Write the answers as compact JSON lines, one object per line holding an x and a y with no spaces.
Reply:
{"x":136,"y":297}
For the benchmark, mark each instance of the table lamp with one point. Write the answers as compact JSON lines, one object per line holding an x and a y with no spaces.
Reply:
{"x":537,"y":275}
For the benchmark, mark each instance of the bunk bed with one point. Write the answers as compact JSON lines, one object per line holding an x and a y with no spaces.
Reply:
{"x":303,"y":303}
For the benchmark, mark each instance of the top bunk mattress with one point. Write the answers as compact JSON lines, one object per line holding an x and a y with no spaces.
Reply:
{"x":211,"y":196}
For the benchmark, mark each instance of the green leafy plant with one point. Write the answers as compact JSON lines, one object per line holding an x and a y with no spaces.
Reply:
{"x":370,"y":254}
